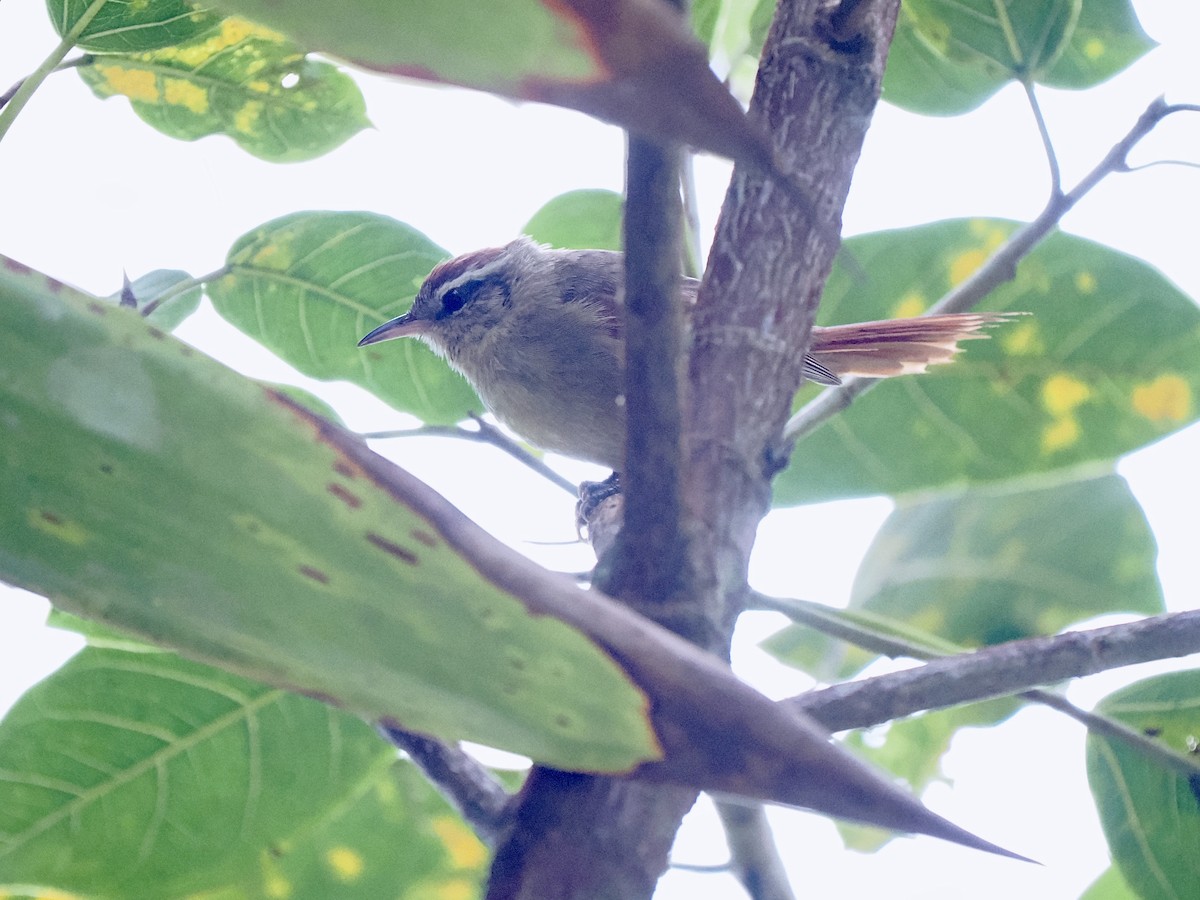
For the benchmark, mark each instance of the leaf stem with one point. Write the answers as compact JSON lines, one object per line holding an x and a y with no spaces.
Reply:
{"x":1047,"y":144}
{"x":31,"y":83}
{"x":182,"y":288}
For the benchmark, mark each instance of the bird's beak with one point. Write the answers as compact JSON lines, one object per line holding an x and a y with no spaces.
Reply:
{"x":401,"y":326}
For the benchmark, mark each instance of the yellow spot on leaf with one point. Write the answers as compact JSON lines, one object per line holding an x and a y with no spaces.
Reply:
{"x":57,"y":527}
{"x":1094,"y":48}
{"x":1022,"y":339}
{"x":989,"y":234}
{"x":178,"y":92}
{"x":259,"y":87}
{"x":964,"y":264}
{"x":136,"y":84}
{"x":245,"y":119}
{"x":455,"y":889}
{"x":1061,"y":433}
{"x":1062,"y":393}
{"x":463,"y":848}
{"x":911,"y":304}
{"x":232,"y":32}
{"x":1085,"y":282}
{"x":347,"y":864}
{"x":1168,"y":398}
{"x":276,"y":886}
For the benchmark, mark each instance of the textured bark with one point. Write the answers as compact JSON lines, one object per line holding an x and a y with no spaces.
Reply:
{"x":578,"y":836}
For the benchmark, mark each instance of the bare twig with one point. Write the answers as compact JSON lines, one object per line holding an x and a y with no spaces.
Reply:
{"x":463,"y":781}
{"x":1014,"y":668}
{"x":999,"y":268}
{"x":485,"y":433}
{"x":755,"y":860}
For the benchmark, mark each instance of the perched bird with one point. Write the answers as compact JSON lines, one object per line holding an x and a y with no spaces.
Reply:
{"x":537,"y":332}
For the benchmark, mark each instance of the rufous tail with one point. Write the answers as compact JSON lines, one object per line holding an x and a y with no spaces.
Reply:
{"x":893,"y":346}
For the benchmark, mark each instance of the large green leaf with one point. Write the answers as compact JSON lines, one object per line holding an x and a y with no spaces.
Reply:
{"x":579,"y":220}
{"x":143,"y":774}
{"x":1151,"y":816}
{"x":1108,"y":361}
{"x":994,"y":565}
{"x":131,"y":27}
{"x":399,"y":838}
{"x":309,"y":285}
{"x":241,"y":80}
{"x":634,"y":62}
{"x":147,"y":486}
{"x":948,"y":56}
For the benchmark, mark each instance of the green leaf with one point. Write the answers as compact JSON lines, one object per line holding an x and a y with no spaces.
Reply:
{"x":239,"y":80}
{"x":1150,"y":816}
{"x":948,"y":57}
{"x":1109,"y":361}
{"x":131,"y":27}
{"x":1107,"y":39}
{"x":994,"y":565}
{"x":309,"y":285}
{"x":398,"y":838}
{"x":169,"y":314}
{"x":1111,"y":885}
{"x":626,"y":61}
{"x":579,"y":220}
{"x":143,"y":774}
{"x":147,"y":486}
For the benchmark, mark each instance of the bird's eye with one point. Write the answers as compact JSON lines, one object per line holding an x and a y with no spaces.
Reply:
{"x":452,"y":301}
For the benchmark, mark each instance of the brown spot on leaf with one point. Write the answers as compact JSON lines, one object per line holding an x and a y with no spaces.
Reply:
{"x":52,"y":518}
{"x":351,"y":500}
{"x":20,"y":268}
{"x":314,"y":574}
{"x":156,"y":334}
{"x":98,"y":308}
{"x":401,"y":553}
{"x":424,"y":537}
{"x":106,"y":468}
{"x":344,"y":469}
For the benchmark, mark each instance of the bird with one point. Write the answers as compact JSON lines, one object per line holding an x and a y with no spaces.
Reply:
{"x":538,"y":334}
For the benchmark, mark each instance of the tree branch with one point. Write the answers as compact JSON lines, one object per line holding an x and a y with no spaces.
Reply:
{"x":999,"y":670}
{"x":755,"y":860}
{"x":463,"y":781}
{"x":999,"y":268}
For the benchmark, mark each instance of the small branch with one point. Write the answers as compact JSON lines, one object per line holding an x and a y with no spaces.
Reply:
{"x":1047,"y":144}
{"x":1001,"y":267}
{"x":755,"y":859}
{"x":646,"y":562}
{"x":25,"y":89}
{"x":462,"y":780}
{"x":1016,"y":667}
{"x":486,"y":433}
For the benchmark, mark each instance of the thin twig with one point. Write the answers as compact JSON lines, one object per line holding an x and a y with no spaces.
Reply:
{"x":25,"y":89}
{"x":486,"y":433}
{"x":999,"y":268}
{"x":85,"y":60}
{"x":1013,"y":668}
{"x":464,"y":781}
{"x":1044,"y":133}
{"x":754,"y":855}
{"x":693,"y":258}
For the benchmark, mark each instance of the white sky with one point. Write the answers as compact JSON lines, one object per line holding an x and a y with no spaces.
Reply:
{"x":90,"y":191}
